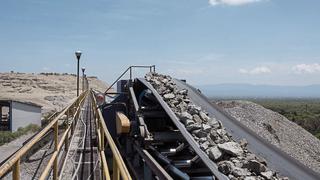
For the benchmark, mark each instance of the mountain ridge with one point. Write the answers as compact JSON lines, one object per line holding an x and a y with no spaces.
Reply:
{"x":260,"y":90}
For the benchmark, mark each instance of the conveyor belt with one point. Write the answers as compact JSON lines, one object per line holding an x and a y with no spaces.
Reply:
{"x":276,"y":159}
{"x":210,"y":164}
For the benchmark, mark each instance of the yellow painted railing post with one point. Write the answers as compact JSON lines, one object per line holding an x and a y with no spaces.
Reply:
{"x":55,"y":164}
{"x":101,"y":143}
{"x":72,"y":128}
{"x":102,"y":170}
{"x":66,"y":144}
{"x":116,"y":172}
{"x":102,"y":138}
{"x":16,"y":171}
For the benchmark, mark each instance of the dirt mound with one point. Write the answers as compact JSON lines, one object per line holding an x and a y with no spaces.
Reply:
{"x":278,"y":130}
{"x":53,"y":91}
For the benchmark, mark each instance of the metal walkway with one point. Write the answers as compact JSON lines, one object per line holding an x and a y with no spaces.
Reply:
{"x":80,"y":138}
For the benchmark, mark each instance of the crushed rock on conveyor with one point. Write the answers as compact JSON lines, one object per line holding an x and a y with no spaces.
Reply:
{"x":233,"y":158}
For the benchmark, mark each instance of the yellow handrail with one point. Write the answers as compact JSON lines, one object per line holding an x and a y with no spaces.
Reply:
{"x":14,"y":162}
{"x":102,"y":130}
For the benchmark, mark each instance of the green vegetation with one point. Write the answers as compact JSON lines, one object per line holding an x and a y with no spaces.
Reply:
{"x":304,"y":112}
{"x":47,"y":118}
{"x":7,"y":136}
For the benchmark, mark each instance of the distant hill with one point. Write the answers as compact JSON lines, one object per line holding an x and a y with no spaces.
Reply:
{"x":260,"y":91}
{"x":52,"y":91}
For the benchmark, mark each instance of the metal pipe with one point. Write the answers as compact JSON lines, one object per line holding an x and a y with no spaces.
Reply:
{"x":129,"y":68}
{"x":116,"y":174}
{"x":55,"y":163}
{"x":117,"y":80}
{"x":16,"y":171}
{"x":152,"y":163}
{"x":130,"y":73}
{"x":78,"y":78}
{"x":105,"y":170}
{"x":134,"y":99}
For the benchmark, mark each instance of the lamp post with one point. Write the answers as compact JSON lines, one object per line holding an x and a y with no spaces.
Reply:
{"x":78,"y":55}
{"x":83,"y":69}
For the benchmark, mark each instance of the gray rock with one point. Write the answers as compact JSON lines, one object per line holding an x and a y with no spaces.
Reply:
{"x":204,"y":146}
{"x":185,"y":115}
{"x":237,"y":172}
{"x":196,"y":118}
{"x":206,"y":128}
{"x":212,"y":143}
{"x":267,"y":174}
{"x":169,"y":96}
{"x":199,"y":133}
{"x":183,"y":92}
{"x":193,"y":109}
{"x":188,"y":122}
{"x":171,"y":87}
{"x":186,"y":100}
{"x":148,"y":78}
{"x":214,"y":135}
{"x":225,"y":167}
{"x":237,"y":163}
{"x":221,"y":132}
{"x":214,"y":153}
{"x":213,"y":123}
{"x":194,"y":126}
{"x":162,"y":90}
{"x":255,"y":166}
{"x":182,"y":106}
{"x":250,"y":156}
{"x":225,"y":138}
{"x":157,"y":83}
{"x":261,"y":160}
{"x":203,"y":116}
{"x":164,"y":81}
{"x":174,"y":102}
{"x":250,"y":178}
{"x":243,"y":143}
{"x":231,"y":148}
{"x":203,"y":139}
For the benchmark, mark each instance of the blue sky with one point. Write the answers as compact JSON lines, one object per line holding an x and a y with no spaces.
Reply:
{"x":206,"y":42}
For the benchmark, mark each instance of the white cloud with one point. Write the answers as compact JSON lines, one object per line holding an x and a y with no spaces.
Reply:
{"x":306,"y":68}
{"x":231,"y":2}
{"x":256,"y":70}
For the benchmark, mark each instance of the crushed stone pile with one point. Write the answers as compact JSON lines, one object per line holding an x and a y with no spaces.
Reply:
{"x":278,"y":130}
{"x":233,"y":158}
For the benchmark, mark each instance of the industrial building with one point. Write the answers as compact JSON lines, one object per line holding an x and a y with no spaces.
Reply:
{"x":15,"y":114}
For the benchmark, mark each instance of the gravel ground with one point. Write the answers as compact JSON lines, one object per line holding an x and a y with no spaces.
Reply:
{"x":278,"y":130}
{"x":30,"y":165}
{"x":7,"y":149}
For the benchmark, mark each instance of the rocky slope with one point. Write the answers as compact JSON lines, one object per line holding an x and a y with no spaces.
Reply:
{"x":278,"y":130}
{"x":53,"y":91}
{"x":233,"y":158}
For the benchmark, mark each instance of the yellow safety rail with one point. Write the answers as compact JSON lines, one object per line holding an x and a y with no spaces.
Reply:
{"x":119,"y":167}
{"x":72,"y":110}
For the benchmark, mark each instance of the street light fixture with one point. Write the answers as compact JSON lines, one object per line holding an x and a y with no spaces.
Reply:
{"x":78,"y":55}
{"x":83,"y":69}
